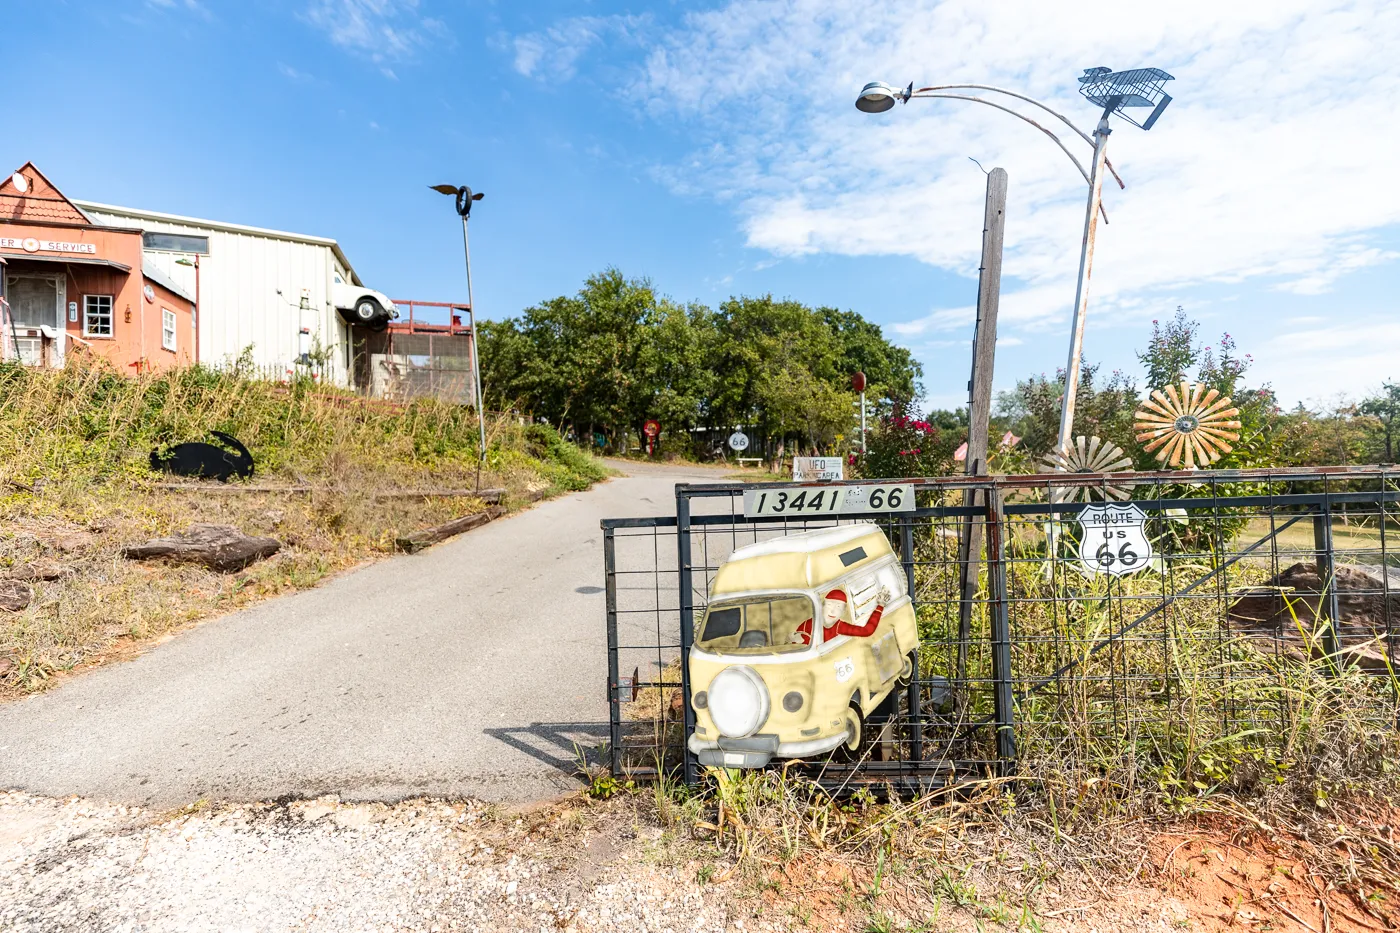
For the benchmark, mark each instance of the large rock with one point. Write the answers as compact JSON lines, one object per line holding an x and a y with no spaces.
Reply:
{"x":39,"y":571}
{"x":1289,"y":607}
{"x":15,"y":595}
{"x":218,"y":547}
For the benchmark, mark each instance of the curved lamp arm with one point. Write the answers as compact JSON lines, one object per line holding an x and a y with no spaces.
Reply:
{"x":1030,"y":100}
{"x":1021,"y":116}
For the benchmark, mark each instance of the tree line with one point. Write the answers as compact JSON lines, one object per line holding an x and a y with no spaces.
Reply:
{"x":602,"y":362}
{"x":1025,"y":424}
{"x":606,"y":360}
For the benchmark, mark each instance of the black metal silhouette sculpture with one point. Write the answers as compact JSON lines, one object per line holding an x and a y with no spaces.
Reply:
{"x":206,"y":461}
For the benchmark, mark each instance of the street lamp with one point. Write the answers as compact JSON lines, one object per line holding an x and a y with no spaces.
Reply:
{"x":465,"y":199}
{"x":1114,"y":91}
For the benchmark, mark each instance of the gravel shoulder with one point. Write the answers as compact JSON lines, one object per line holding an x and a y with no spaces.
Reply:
{"x":320,"y":865}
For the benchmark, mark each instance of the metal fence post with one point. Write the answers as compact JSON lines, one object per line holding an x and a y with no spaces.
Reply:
{"x":915,"y":699}
{"x":1328,"y":601}
{"x":610,"y":602}
{"x":687,"y":608}
{"x":1003,"y":701}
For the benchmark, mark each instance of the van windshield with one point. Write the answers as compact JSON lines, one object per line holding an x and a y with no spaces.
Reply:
{"x":762,"y":625}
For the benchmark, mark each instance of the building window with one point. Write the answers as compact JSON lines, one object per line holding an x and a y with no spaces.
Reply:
{"x":167,"y":329}
{"x":97,"y":315}
{"x":176,"y":243}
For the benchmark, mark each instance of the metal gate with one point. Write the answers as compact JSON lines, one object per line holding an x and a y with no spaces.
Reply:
{"x":1262,"y":584}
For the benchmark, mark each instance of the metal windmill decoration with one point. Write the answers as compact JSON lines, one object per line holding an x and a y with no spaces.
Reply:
{"x":1086,"y":455}
{"x":1190,"y":427}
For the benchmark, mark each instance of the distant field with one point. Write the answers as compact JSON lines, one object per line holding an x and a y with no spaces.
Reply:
{"x":1356,"y":542}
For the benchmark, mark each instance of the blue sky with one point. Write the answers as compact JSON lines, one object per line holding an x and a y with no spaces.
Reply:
{"x":714,"y":147}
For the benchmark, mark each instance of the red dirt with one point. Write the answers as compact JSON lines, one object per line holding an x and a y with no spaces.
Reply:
{"x":1247,"y":881}
{"x":1210,"y":874}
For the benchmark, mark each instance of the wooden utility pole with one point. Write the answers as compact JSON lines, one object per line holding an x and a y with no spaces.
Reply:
{"x":979,"y":404}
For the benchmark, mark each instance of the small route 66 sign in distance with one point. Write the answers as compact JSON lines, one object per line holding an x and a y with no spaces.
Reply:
{"x":1113,"y":539}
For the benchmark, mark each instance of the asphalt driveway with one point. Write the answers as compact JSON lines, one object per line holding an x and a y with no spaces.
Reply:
{"x":476,"y":668}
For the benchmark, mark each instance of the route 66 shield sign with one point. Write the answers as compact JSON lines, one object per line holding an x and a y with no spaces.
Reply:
{"x":1113,"y":539}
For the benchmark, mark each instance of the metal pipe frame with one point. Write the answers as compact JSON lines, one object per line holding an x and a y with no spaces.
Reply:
{"x":1028,"y":99}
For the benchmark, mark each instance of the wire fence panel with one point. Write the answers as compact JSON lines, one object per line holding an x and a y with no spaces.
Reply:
{"x":1211,"y":625}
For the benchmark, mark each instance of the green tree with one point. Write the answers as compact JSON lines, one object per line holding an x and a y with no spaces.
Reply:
{"x":891,"y":372}
{"x":579,"y":360}
{"x":1101,"y":408}
{"x":675,"y":379}
{"x":1385,"y":408}
{"x":798,"y":404}
{"x":616,"y":354}
{"x":504,"y":352}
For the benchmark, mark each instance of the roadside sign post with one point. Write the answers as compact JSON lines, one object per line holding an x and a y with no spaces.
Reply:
{"x":651,"y":429}
{"x":858,"y":383}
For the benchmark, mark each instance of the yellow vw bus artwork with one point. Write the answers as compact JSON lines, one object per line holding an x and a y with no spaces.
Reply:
{"x":804,"y":636}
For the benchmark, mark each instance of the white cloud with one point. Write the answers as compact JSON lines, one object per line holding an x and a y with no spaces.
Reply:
{"x":384,"y":30}
{"x":553,"y":54}
{"x":1313,"y":363}
{"x":194,"y":6}
{"x":1274,"y":162}
{"x":289,"y":72}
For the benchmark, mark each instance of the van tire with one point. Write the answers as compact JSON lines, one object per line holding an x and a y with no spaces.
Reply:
{"x":855,"y":726}
{"x":906,"y":673}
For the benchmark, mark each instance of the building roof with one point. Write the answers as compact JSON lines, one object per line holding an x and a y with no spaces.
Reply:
{"x":164,"y":281}
{"x":139,"y":214}
{"x":66,"y":260}
{"x":43,"y":203}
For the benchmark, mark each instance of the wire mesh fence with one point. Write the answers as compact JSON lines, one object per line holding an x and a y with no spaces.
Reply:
{"x":1229,"y":616}
{"x":401,"y":365}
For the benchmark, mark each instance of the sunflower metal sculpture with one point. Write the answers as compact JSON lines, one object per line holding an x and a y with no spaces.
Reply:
{"x":1191,"y":427}
{"x":1087,"y":455}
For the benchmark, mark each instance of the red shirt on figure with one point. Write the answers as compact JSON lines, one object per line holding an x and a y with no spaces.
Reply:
{"x":835,"y":622}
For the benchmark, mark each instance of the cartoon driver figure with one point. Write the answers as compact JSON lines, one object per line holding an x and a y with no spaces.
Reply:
{"x":834,"y":610}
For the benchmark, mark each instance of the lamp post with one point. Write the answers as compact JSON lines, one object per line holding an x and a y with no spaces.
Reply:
{"x":878,"y":97}
{"x":1114,"y":91}
{"x":465,"y":199}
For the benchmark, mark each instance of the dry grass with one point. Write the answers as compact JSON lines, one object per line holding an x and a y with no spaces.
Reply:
{"x":990,"y":856}
{"x":1181,"y":731}
{"x":76,"y":487}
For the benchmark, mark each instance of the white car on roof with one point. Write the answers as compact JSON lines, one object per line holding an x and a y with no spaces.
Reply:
{"x":363,"y":306}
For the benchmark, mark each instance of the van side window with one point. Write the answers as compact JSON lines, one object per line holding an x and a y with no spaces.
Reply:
{"x":723,"y":623}
{"x":854,"y":556}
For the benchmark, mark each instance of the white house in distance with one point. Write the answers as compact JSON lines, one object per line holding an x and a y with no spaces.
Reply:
{"x":282,"y":294}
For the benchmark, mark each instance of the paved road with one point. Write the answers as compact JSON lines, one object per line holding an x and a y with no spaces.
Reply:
{"x":470,"y":669}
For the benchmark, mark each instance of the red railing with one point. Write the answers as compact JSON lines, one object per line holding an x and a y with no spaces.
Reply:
{"x":415,"y":326}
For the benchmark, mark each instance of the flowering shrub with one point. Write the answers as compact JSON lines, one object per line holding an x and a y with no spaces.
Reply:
{"x":903,"y":444}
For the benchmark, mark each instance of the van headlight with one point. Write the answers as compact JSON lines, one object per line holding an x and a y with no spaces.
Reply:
{"x":738,"y":701}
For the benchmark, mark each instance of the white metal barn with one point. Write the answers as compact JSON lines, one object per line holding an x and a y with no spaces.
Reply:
{"x":249,"y":285}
